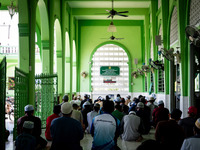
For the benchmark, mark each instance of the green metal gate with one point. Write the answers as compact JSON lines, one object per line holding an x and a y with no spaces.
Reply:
{"x":46,"y":93}
{"x":21,"y":96}
{"x":2,"y":101}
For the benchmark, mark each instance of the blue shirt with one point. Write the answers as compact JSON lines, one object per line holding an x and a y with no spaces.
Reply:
{"x":103,"y":129}
{"x":66,"y":132}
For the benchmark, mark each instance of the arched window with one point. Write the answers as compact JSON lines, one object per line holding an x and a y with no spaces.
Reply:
{"x":112,"y":57}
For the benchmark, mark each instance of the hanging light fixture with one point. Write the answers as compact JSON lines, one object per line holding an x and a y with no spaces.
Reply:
{"x":112,"y":27}
{"x":11,"y":9}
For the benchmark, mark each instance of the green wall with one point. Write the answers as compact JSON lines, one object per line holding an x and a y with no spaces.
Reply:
{"x":90,"y":37}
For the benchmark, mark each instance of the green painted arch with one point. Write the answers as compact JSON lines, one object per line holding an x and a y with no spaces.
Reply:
{"x":129,"y":61}
{"x":44,"y":20}
{"x":58,"y":37}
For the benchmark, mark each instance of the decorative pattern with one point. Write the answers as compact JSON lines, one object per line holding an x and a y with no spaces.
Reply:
{"x":174,"y":27}
{"x":194,"y":12}
{"x":46,"y":93}
{"x":21,"y":96}
{"x":2,"y":101}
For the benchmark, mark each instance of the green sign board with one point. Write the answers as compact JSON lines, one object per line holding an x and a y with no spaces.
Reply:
{"x":109,"y":71}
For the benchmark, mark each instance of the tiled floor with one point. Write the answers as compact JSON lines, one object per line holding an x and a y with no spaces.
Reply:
{"x":86,"y":143}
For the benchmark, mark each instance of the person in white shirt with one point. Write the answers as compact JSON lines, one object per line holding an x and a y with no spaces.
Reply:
{"x":91,"y":115}
{"x":130,"y":127}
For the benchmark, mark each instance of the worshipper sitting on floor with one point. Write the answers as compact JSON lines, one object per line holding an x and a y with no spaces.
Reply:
{"x":91,"y":115}
{"x":56,"y":112}
{"x":160,"y":113}
{"x":152,"y":106}
{"x":149,"y":145}
{"x":131,"y":127}
{"x":25,"y":141}
{"x":76,"y":114}
{"x":117,"y":113}
{"x":122,"y":102}
{"x":66,"y":132}
{"x":86,"y":109}
{"x":169,"y":134}
{"x":188,"y":123}
{"x":134,"y":105}
{"x":144,"y":115}
{"x":193,"y":143}
{"x":125,"y":109}
{"x":84,"y":100}
{"x":117,"y":101}
{"x":29,"y":111}
{"x":105,"y":129}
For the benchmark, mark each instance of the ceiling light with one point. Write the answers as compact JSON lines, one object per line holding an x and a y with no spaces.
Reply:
{"x":11,"y":9}
{"x":111,"y":27}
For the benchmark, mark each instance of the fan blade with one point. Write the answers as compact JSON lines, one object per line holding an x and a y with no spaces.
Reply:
{"x":109,"y":16}
{"x":119,"y":38}
{"x":123,"y":12}
{"x":122,"y":15}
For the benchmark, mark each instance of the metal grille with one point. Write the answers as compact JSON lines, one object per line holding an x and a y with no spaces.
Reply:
{"x":2,"y":101}
{"x":21,"y":96}
{"x":159,"y":3}
{"x":46,"y":92}
{"x":152,"y":84}
{"x":145,"y":84}
{"x":110,"y":55}
{"x":194,"y":12}
{"x":174,"y":27}
{"x":161,"y":86}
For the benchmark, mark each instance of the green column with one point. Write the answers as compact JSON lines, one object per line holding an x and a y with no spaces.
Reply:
{"x":32,"y":8}
{"x":71,"y":35}
{"x":154,"y":8}
{"x":165,"y":14}
{"x":46,"y":55}
{"x":181,"y":7}
{"x":23,"y":35}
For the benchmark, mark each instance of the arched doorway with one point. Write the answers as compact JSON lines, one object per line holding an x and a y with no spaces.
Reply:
{"x":110,"y":71}
{"x":67,"y":64}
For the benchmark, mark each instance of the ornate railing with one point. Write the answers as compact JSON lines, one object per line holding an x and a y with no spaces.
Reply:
{"x":2,"y":101}
{"x":46,"y":93}
{"x":21,"y":96}
{"x":8,"y":50}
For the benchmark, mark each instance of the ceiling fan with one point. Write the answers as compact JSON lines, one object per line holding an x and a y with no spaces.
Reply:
{"x":193,"y":34}
{"x":112,"y":12}
{"x":113,"y":38}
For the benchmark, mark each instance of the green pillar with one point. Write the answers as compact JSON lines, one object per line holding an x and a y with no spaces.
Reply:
{"x":23,"y":35}
{"x":154,"y":8}
{"x":46,"y":55}
{"x":181,"y":7}
{"x":165,"y":15}
{"x":32,"y":8}
{"x":71,"y":35}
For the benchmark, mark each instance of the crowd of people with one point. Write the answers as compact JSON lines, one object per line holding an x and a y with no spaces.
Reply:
{"x":107,"y":120}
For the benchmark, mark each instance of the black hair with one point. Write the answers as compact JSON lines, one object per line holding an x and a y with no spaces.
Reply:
{"x":118,"y":107}
{"x":57,"y":109}
{"x":122,"y":100}
{"x":96,"y":108}
{"x":118,"y":95}
{"x":125,"y":109}
{"x":140,"y":96}
{"x":75,"y":106}
{"x":176,"y":114}
{"x":143,"y":100}
{"x":107,"y":97}
{"x":108,"y":106}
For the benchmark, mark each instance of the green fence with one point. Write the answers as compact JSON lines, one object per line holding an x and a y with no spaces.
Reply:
{"x":46,"y":93}
{"x":2,"y":102}
{"x":21,"y":96}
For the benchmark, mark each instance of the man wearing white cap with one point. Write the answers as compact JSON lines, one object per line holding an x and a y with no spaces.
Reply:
{"x":160,"y":113}
{"x":29,"y":111}
{"x":193,"y":143}
{"x":131,"y":127}
{"x":26,"y":141}
{"x":66,"y":132}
